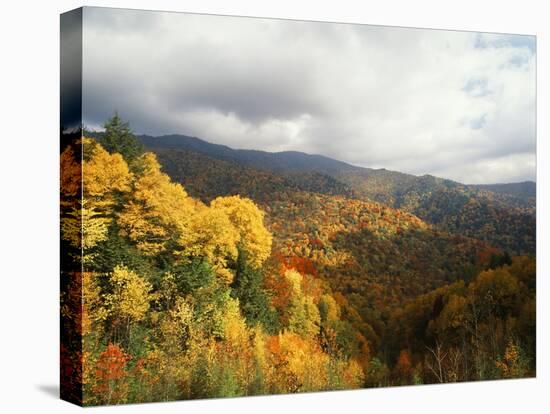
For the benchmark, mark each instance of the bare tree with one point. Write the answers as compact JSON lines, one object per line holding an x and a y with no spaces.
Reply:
{"x":436,"y":366}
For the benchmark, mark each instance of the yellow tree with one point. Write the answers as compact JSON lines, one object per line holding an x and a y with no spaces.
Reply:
{"x":103,"y":175}
{"x":129,"y":301}
{"x":84,"y":227}
{"x":158,"y":209}
{"x":94,"y":314}
{"x":248,"y":220}
{"x":306,"y":364}
{"x":303,"y":315}
{"x":512,"y":365}
{"x":213,"y":236}
{"x":237,"y":353}
{"x":70,"y":174}
{"x":70,"y":202}
{"x":93,"y":309}
{"x":85,"y":220}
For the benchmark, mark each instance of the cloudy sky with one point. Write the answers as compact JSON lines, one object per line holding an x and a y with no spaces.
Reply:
{"x":458,"y":105}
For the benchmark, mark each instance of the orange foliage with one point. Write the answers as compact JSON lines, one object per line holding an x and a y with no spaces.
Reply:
{"x":280,"y":289}
{"x":484,"y":256}
{"x":70,"y":173}
{"x":404,"y":365}
{"x":302,"y":265}
{"x":111,"y":374}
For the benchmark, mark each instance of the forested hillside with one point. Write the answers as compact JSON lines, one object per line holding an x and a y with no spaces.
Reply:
{"x":209,"y":177}
{"x":205,"y":276}
{"x":505,"y":218}
{"x":502,"y":215}
{"x":525,"y":192}
{"x":281,"y":162}
{"x":329,"y":234}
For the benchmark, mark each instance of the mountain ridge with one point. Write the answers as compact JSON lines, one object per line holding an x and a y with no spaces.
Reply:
{"x":181,"y":141}
{"x":282,"y":161}
{"x":502,"y":215}
{"x":475,"y":211}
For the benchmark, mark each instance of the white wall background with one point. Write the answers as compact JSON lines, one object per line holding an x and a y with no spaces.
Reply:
{"x":29,"y":85}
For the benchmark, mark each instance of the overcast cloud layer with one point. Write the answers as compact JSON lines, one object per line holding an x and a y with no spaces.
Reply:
{"x":453,"y":104}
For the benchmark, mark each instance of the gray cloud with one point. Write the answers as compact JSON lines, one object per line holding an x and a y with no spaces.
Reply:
{"x":455,"y":104}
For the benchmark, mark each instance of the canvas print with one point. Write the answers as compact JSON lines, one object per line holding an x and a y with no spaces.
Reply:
{"x":256,"y":206}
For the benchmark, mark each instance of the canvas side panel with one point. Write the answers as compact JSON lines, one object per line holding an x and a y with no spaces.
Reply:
{"x":71,"y":206}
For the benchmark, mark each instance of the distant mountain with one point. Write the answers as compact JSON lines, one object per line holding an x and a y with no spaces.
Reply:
{"x":499,"y":214}
{"x":504,"y":218}
{"x":282,"y":162}
{"x":396,"y":189}
{"x":206,"y":177}
{"x":526,"y":190}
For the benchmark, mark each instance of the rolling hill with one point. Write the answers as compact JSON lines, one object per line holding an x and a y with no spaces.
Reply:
{"x":499,"y":214}
{"x":365,"y":250}
{"x":281,"y":162}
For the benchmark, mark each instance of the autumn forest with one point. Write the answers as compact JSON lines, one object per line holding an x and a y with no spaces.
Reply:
{"x":192,"y":270}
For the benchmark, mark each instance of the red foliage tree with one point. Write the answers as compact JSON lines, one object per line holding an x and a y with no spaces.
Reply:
{"x":111,"y":374}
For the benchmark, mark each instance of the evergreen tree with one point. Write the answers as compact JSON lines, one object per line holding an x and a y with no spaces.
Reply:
{"x":253,"y":299}
{"x":118,"y":137}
